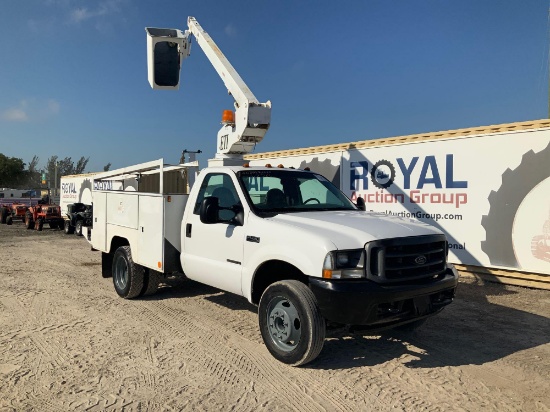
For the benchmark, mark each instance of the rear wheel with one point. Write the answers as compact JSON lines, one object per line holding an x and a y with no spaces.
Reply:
{"x":3,"y":215}
{"x":128,"y":276}
{"x":53,"y":224}
{"x":68,"y":228}
{"x":151,"y":284}
{"x":291,"y":323}
{"x":39,"y":224}
{"x":9,"y":220}
{"x":78,"y":228}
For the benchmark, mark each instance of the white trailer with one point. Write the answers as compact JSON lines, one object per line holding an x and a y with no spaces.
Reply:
{"x":76,"y":189}
{"x":486,"y":187}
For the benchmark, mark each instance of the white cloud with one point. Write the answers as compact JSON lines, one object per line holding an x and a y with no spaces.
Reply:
{"x":31,"y":109}
{"x":104,"y":8}
{"x":52,"y":107}
{"x":230,"y":30}
{"x":15,"y":115}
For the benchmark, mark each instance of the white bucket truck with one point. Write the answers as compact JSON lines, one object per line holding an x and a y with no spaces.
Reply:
{"x":287,"y":240}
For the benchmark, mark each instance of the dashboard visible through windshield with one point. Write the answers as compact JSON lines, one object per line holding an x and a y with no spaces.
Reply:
{"x":284,"y":191}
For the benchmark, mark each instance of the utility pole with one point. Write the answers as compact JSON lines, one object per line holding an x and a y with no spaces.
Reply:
{"x":55,"y":180}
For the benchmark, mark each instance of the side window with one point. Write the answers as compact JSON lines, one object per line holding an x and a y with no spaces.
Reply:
{"x":221,"y":186}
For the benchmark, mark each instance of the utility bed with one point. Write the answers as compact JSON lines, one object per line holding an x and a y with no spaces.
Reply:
{"x":150,"y":222}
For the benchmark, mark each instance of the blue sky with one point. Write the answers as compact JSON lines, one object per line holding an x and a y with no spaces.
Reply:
{"x":74,"y":76}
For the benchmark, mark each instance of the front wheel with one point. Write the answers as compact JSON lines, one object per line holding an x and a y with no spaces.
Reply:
{"x":128,"y":276}
{"x":291,"y":323}
{"x":78,"y":228}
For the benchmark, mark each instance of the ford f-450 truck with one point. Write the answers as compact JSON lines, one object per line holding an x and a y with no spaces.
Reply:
{"x":287,"y":240}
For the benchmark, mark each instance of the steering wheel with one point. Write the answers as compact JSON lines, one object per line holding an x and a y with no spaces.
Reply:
{"x":310,"y":199}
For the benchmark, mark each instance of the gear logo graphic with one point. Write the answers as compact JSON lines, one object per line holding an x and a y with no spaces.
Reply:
{"x":382,"y":174}
{"x":504,"y":204}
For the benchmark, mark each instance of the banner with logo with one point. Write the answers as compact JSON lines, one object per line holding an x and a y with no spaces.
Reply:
{"x":490,"y":193}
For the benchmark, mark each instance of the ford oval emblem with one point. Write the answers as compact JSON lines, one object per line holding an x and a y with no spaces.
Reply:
{"x":420,"y":260}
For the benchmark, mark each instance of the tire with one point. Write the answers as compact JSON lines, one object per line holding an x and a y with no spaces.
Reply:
{"x":68,"y":228}
{"x":106,"y":265}
{"x":53,"y":224}
{"x":78,"y":228}
{"x":291,"y":323}
{"x":9,"y":220}
{"x":151,"y":284}
{"x":3,"y":215}
{"x":128,"y":277}
{"x":29,"y":224}
{"x":39,"y":224}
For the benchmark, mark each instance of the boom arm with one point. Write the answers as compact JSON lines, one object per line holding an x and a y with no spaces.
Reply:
{"x":252,"y":118}
{"x":241,"y":131}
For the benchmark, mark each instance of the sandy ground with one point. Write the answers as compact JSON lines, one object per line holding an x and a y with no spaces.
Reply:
{"x":68,"y":342}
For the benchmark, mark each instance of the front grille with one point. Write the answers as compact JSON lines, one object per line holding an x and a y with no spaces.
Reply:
{"x":404,"y":259}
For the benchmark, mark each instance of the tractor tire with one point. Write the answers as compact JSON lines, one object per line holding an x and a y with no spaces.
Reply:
{"x":9,"y":220}
{"x":29,"y":224}
{"x":39,"y":224}
{"x":291,"y":323}
{"x":128,"y":277}
{"x":68,"y":228}
{"x":78,"y":228}
{"x":3,"y":215}
{"x":53,"y":224}
{"x":505,"y":202}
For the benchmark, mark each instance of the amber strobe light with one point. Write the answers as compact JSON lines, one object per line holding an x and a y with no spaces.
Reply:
{"x":228,"y":117}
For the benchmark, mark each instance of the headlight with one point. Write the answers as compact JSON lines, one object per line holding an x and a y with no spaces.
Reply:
{"x":344,"y":264}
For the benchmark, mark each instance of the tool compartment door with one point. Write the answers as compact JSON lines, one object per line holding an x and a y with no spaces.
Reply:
{"x":151,"y":232}
{"x":99,"y":224}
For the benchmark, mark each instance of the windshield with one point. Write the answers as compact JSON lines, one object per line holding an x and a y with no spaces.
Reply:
{"x":285,"y":191}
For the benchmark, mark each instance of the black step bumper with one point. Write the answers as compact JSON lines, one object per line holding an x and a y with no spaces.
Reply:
{"x":367,"y":303}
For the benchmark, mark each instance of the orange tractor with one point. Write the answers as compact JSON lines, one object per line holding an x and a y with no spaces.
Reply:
{"x":9,"y":212}
{"x":36,"y":216}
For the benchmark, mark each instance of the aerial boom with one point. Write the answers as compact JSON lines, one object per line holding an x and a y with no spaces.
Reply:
{"x":251,"y":119}
{"x":239,"y":133}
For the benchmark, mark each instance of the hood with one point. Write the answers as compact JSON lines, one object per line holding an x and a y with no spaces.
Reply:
{"x":352,"y":229}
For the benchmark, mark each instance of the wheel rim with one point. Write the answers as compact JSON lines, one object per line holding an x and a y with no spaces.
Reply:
{"x":283,"y":323}
{"x":120,"y":273}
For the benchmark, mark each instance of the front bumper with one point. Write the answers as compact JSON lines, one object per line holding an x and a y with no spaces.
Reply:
{"x":376,"y":306}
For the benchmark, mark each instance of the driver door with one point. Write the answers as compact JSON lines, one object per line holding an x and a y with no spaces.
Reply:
{"x":213,"y":253}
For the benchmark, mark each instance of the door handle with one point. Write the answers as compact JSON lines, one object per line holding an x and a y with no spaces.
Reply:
{"x":188,"y":230}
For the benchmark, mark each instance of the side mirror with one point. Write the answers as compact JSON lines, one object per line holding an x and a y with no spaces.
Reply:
{"x":361,"y":204}
{"x":238,"y":220}
{"x":209,"y":210}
